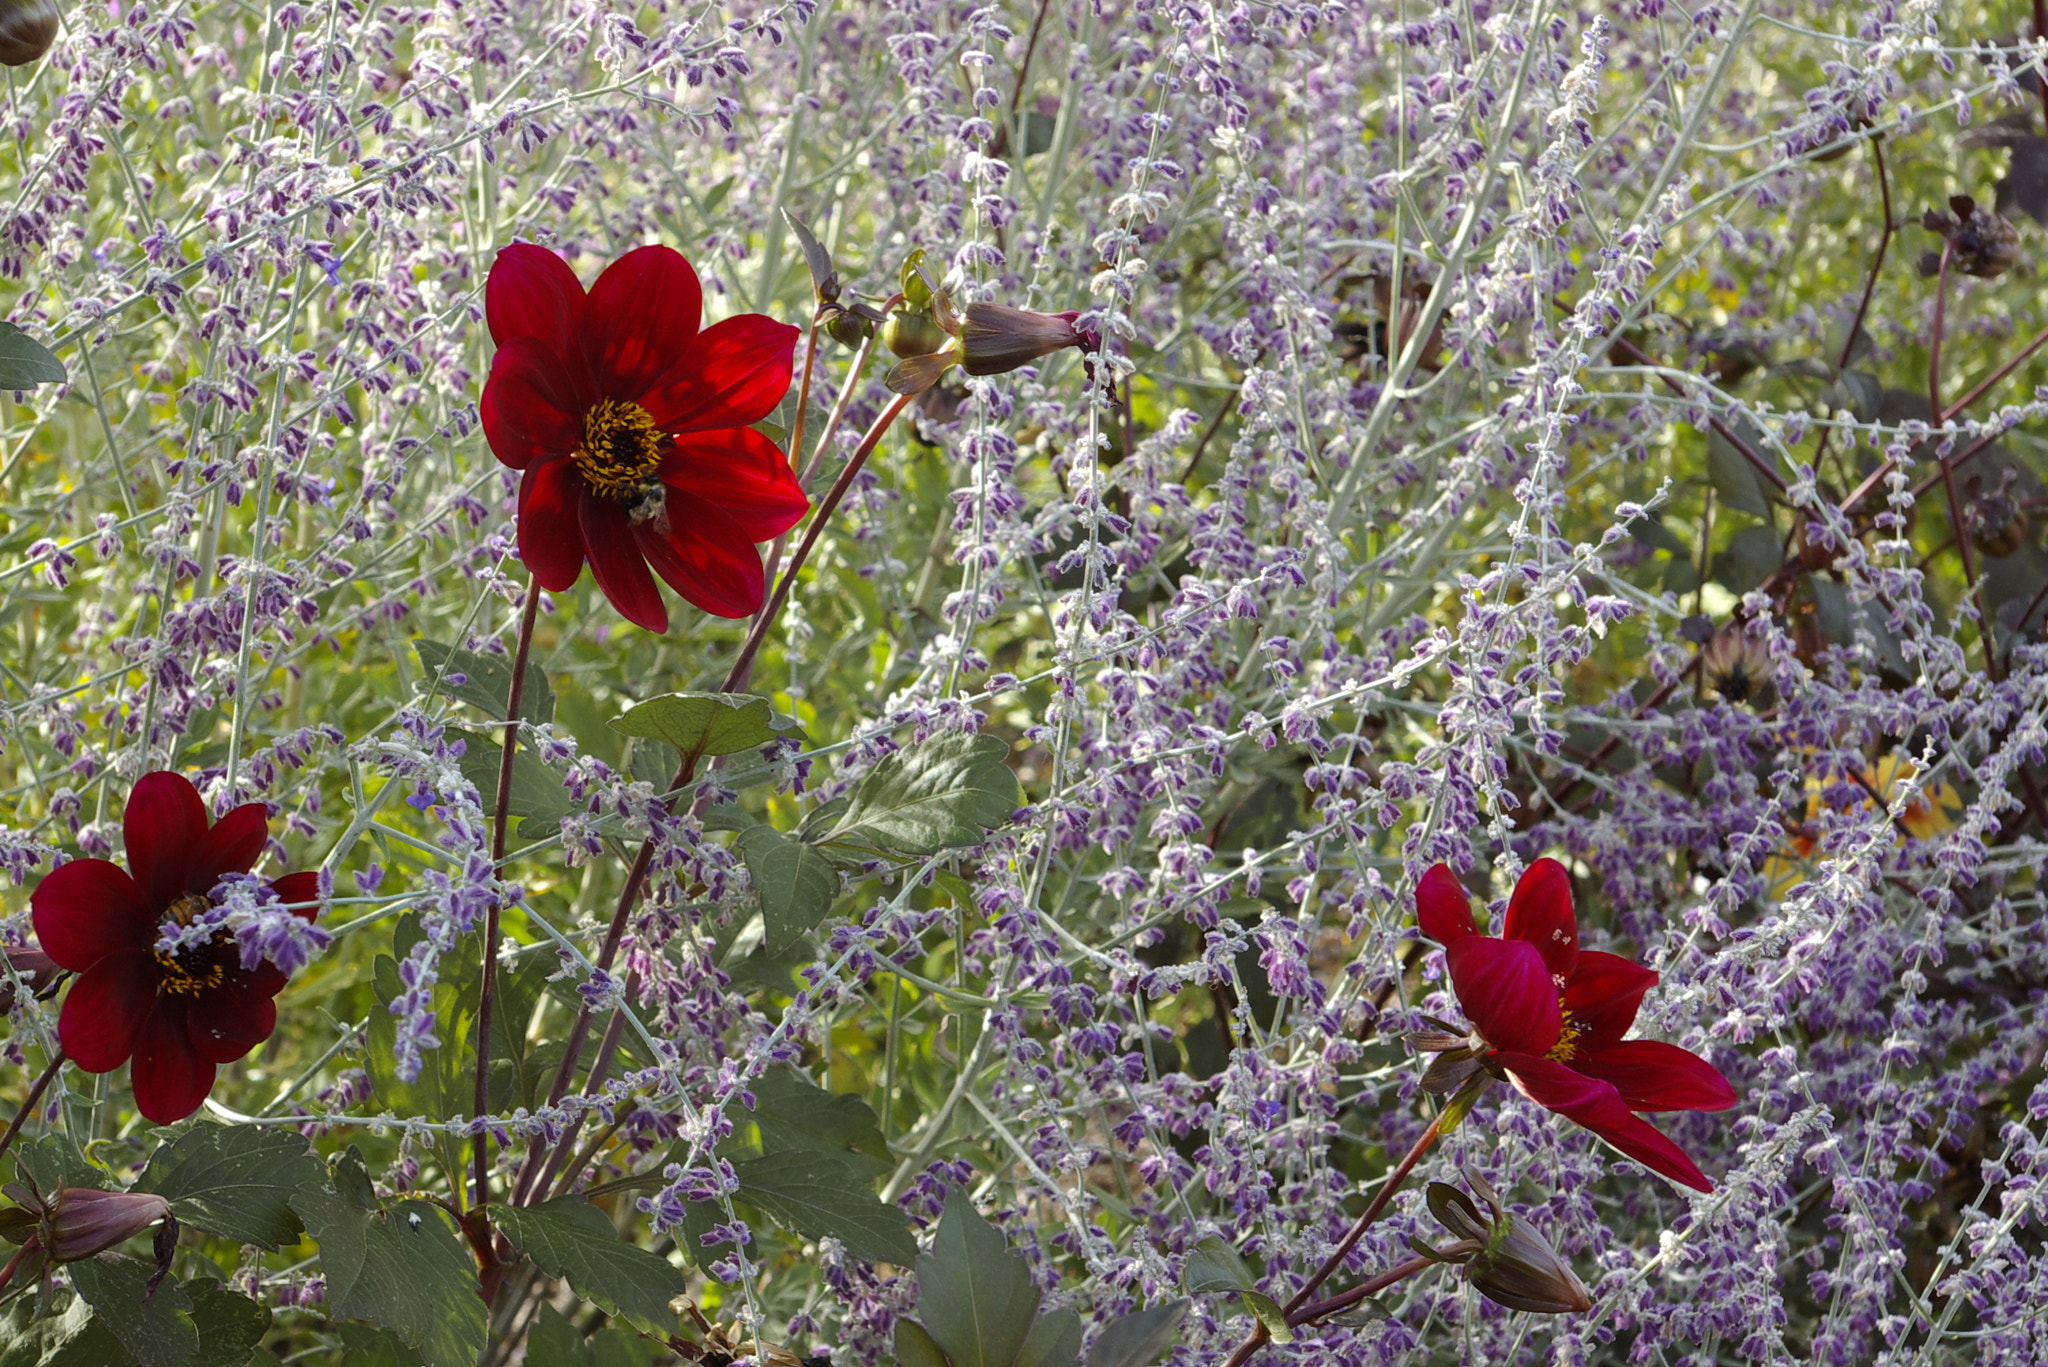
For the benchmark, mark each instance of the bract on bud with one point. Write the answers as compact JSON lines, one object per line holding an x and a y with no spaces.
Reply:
{"x":1512,"y":1265}
{"x":27,"y":28}
{"x":994,"y":339}
{"x":1981,"y":243}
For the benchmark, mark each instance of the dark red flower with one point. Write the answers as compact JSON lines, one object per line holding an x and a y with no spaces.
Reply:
{"x":1550,"y":1018}
{"x":632,"y":428}
{"x":179,"y":1014}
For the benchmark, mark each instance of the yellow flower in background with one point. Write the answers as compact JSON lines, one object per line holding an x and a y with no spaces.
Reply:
{"x":1930,"y":811}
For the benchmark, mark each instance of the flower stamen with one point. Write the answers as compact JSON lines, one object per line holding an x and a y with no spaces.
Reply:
{"x":621,"y":448}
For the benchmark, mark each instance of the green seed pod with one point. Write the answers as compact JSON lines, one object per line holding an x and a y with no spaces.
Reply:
{"x":909,"y":333}
{"x":27,"y":28}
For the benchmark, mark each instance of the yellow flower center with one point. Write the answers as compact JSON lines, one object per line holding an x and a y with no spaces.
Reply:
{"x":189,"y":973}
{"x":1567,"y":1047}
{"x":621,"y":448}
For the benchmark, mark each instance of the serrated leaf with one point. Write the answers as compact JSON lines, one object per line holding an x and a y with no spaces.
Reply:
{"x":1138,"y":1340}
{"x":1215,"y":1266}
{"x":824,"y":279}
{"x":25,"y":362}
{"x":708,"y":723}
{"x":230,"y":1325}
{"x":486,"y":680}
{"x":795,"y":1114}
{"x":1735,"y":480}
{"x":157,"y":1331}
{"x":819,"y":1195}
{"x":915,"y":1346}
{"x":574,"y":1240}
{"x":52,"y":1162}
{"x":796,"y":883}
{"x":402,"y":1267}
{"x":974,"y":1294}
{"x":1054,"y":1341}
{"x":234,"y":1180}
{"x":1270,"y":1315}
{"x":950,"y":791}
{"x":365,"y":1345}
{"x":71,"y":1337}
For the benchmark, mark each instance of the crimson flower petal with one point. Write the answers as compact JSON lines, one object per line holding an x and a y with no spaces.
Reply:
{"x":1603,"y":994}
{"x":616,"y":563}
{"x":550,"y":523}
{"x":299,"y":887}
{"x":223,"y":1027}
{"x":1506,"y":992}
{"x":105,"y":1009}
{"x":1654,"y":1076}
{"x":732,"y":375}
{"x":1595,"y":1105}
{"x":1540,"y":912}
{"x":641,"y":315}
{"x":531,"y":292}
{"x":1441,"y":907}
{"x":704,"y":556}
{"x":163,"y":826}
{"x":88,"y":909}
{"x":533,"y":404}
{"x":170,"y":1077}
{"x":743,"y":474}
{"x":232,"y":846}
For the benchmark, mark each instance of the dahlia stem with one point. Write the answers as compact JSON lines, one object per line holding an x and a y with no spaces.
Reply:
{"x":1259,"y":1334}
{"x":35,"y":1094}
{"x":1344,"y":1300}
{"x":487,"y":993}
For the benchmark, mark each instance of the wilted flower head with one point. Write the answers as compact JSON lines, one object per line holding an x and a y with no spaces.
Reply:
{"x":80,"y":1222}
{"x":989,"y":339}
{"x":1502,"y":1254}
{"x":1980,"y":242}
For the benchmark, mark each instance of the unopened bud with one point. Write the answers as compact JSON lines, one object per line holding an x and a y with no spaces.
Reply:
{"x":87,"y":1222}
{"x":1513,"y":1265}
{"x":33,"y":967}
{"x":27,"y":28}
{"x":994,"y":339}
{"x":849,"y":329}
{"x":912,"y":332}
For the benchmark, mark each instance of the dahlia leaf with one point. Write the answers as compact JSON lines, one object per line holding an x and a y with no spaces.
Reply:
{"x":792,"y":1113}
{"x":234,"y":1180}
{"x":1216,"y":1266}
{"x":973,"y":1293}
{"x":1138,"y":1340}
{"x":156,"y":1328}
{"x":25,"y":362}
{"x":795,"y":881}
{"x":947,"y":792}
{"x":486,"y":680}
{"x":574,"y":1240}
{"x":1054,"y":1341}
{"x":708,"y":723}
{"x":820,"y":1194}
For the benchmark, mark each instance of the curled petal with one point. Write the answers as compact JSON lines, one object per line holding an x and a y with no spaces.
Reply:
{"x":105,"y":1009}
{"x":88,"y":909}
{"x":163,"y":826}
{"x":1441,"y":907}
{"x":1540,"y":912}
{"x":531,"y":292}
{"x":640,"y":317}
{"x":732,"y":375}
{"x":1654,"y":1076}
{"x":1506,"y":992}
{"x":1603,"y":994}
{"x":618,"y":566}
{"x":1595,"y":1105}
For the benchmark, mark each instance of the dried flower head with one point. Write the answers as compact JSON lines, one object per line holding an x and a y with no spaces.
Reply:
{"x":1502,"y":1255}
{"x":1980,"y":242}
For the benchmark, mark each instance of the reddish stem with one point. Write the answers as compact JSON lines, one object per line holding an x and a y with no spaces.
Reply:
{"x":35,"y":1094}
{"x":1948,"y":251}
{"x":1344,"y":1300}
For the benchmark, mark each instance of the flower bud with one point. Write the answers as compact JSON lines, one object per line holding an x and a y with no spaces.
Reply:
{"x":37,"y":969}
{"x":27,"y":28}
{"x":912,"y":332}
{"x":1737,"y":666}
{"x":994,"y":339}
{"x":1513,"y":1265}
{"x":87,"y":1222}
{"x":849,"y":329}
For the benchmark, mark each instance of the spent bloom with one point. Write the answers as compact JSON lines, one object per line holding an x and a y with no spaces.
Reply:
{"x":179,"y":1003}
{"x":1549,"y":1017}
{"x":80,"y":1222}
{"x":630,"y":425}
{"x":1502,"y":1254}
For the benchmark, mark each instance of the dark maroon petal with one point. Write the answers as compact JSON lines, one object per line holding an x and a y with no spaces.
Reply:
{"x":232,"y":846}
{"x":704,"y":556}
{"x":733,"y":375}
{"x":533,"y":403}
{"x":169,"y":1076}
{"x":1603,"y":994}
{"x":641,"y":318}
{"x":105,"y":1009}
{"x":616,"y":563}
{"x":531,"y":292}
{"x":88,"y":909}
{"x":1540,"y":912}
{"x":742,"y":474}
{"x":163,"y":827}
{"x":223,"y":1027}
{"x":550,"y":523}
{"x":299,"y":887}
{"x":1506,"y":992}
{"x":1654,"y":1076}
{"x":1595,"y":1105}
{"x":1441,"y":907}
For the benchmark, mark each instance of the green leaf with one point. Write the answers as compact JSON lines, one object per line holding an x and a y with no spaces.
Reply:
{"x":25,"y":362}
{"x":1270,"y":1315}
{"x":53,"y":1161}
{"x":574,"y":1240}
{"x":1138,"y":1340}
{"x":795,"y":881}
{"x":554,"y":1342}
{"x":824,"y":279}
{"x":537,"y":792}
{"x":1216,"y":1266}
{"x":1461,"y":1103}
{"x":1054,"y":1341}
{"x":235,"y":1181}
{"x":915,"y":1346}
{"x":708,"y":723}
{"x":947,"y":792}
{"x":230,"y":1325}
{"x":973,"y":1294}
{"x":1729,"y":471}
{"x":1751,"y":556}
{"x":157,"y":1331}
{"x":72,"y":1337}
{"x":917,"y":291}
{"x":794,"y":1113}
{"x":365,"y":1345}
{"x":818,"y":1194}
{"x":402,"y":1267}
{"x":487,"y":680}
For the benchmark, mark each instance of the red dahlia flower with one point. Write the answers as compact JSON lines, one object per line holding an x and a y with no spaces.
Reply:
{"x":179,"y":1013}
{"x":632,"y":428}
{"x":1550,"y":1018}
